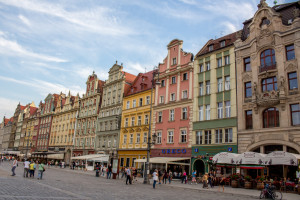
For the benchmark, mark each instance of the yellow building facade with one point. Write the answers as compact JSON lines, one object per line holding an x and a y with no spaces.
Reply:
{"x":135,"y":121}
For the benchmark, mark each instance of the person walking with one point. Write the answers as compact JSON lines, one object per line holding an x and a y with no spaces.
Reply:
{"x":209,"y":179}
{"x":128,"y":177}
{"x":165,"y":177}
{"x":222,"y":183}
{"x":205,"y":177}
{"x":41,"y":169}
{"x":155,"y":178}
{"x":170,"y":176}
{"x":31,"y":168}
{"x":183,"y":177}
{"x":73,"y":165}
{"x":109,"y":171}
{"x":26,"y":168}
{"x":194,"y":174}
{"x":14,"y":165}
{"x":159,"y":176}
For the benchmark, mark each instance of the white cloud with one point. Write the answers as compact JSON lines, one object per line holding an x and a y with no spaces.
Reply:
{"x":230,"y":27}
{"x":24,"y":20}
{"x":12,"y":48}
{"x":190,"y":2}
{"x":7,"y":107}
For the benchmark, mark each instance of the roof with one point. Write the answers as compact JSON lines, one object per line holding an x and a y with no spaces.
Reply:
{"x":286,"y":13}
{"x":129,"y":78}
{"x":33,"y":110}
{"x":142,"y":82}
{"x":229,"y":40}
{"x":22,"y":107}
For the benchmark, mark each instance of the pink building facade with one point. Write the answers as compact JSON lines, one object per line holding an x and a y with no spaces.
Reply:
{"x":172,"y":112}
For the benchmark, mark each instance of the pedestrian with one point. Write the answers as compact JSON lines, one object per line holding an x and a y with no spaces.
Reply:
{"x":165,"y":177}
{"x":128,"y":177}
{"x":155,"y":178}
{"x":194,"y":174}
{"x":109,"y":170}
{"x":170,"y":176}
{"x":14,"y":165}
{"x":73,"y":165}
{"x":205,"y":177}
{"x":222,"y":183}
{"x":31,"y":168}
{"x":123,"y":172}
{"x":183,"y":177}
{"x":159,"y":176}
{"x":210,"y":179}
{"x":63,"y":164}
{"x":41,"y":169}
{"x":26,"y":168}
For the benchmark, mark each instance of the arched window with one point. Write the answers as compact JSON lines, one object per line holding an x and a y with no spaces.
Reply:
{"x":271,"y":118}
{"x":267,"y":60}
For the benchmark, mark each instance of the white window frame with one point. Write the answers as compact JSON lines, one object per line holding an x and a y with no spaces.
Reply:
{"x":126,"y":122}
{"x":184,"y":113}
{"x":183,"y":136}
{"x":219,"y":62}
{"x":145,"y":137}
{"x":199,"y":137}
{"x":161,"y":99}
{"x":184,"y":94}
{"x":200,"y":113}
{"x":172,"y":115}
{"x":131,"y":139}
{"x":159,"y":117}
{"x":227,"y":60}
{"x":173,"y":79}
{"x":218,"y":136}
{"x":132,"y":121}
{"x":228,"y":135}
{"x":159,"y":137}
{"x":201,"y":91}
{"x":201,"y":67}
{"x":207,"y":84}
{"x":220,"y":110}
{"x":172,"y":97}
{"x":146,"y":119}
{"x":128,"y":105}
{"x":207,"y":112}
{"x":220,"y":84}
{"x":147,"y":100}
{"x":227,"y":109}
{"x":170,"y":137}
{"x":133,"y":103}
{"x":227,"y":83}
{"x":138,"y":138}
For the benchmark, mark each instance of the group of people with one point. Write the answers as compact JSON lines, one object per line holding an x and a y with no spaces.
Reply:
{"x":29,"y":168}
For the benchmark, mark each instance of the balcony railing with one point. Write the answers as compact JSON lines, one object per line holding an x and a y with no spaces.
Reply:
{"x":267,"y":67}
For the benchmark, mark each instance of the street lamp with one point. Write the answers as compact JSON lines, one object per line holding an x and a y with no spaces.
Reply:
{"x":154,"y":136}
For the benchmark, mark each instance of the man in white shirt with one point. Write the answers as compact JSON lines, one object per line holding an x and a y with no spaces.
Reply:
{"x":26,"y":168}
{"x":155,"y":178}
{"x":15,"y":164}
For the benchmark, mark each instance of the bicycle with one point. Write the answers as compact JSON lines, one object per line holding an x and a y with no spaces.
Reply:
{"x":269,"y":192}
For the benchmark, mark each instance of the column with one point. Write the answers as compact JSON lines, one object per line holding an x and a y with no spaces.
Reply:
{"x":167,"y":90}
{"x":190,"y":90}
{"x":178,"y":87}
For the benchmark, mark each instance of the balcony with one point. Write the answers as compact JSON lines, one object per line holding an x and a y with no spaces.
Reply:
{"x":267,"y":67}
{"x":268,"y":98}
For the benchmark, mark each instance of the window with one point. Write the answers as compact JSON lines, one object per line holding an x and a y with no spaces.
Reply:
{"x":172,"y":98}
{"x":127,"y":162}
{"x":147,"y":100}
{"x":125,"y":139}
{"x":185,"y":77}
{"x":184,"y":113}
{"x":170,"y":137}
{"x":207,"y":87}
{"x":201,"y":89}
{"x":174,"y":61}
{"x":269,"y":84}
{"x":134,"y":103}
{"x":227,"y":60}
{"x":220,"y":84}
{"x":145,"y":137}
{"x":248,"y":119}
{"x":207,"y":137}
{"x":161,"y":99}
{"x":158,"y":137}
{"x":271,"y":118}
{"x":122,"y":162}
{"x":220,"y":110}
{"x":146,"y":119}
{"x":126,"y":122}
{"x":162,"y":83}
{"x":131,"y":139}
{"x":133,"y":163}
{"x":222,"y":43}
{"x":227,"y":82}
{"x":183,"y":136}
{"x":201,"y":67}
{"x":210,"y":47}
{"x":160,"y":116}
{"x":207,"y":110}
{"x":228,"y":135}
{"x":295,"y":114}
{"x":267,"y":60}
{"x":207,"y":66}
{"x":173,"y":80}
{"x":132,"y":121}
{"x":247,"y":64}
{"x":290,"y":52}
{"x":219,"y":136}
{"x":172,"y":115}
{"x":200,"y":113}
{"x":184,"y":94}
{"x":227,"y":109}
{"x":139,"y":120}
{"x":293,"y":83}
{"x":138,"y":138}
{"x":219,"y":62}
{"x":199,"y":137}
{"x":127,"y":105}
{"x":141,"y":102}
{"x":248,"y":90}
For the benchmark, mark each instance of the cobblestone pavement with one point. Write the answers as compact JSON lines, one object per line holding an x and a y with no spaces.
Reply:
{"x":68,"y":184}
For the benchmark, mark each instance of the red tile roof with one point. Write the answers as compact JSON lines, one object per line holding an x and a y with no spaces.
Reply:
{"x":229,"y":40}
{"x":129,"y":78}
{"x":33,"y":110}
{"x":142,"y":82}
{"x":22,"y":107}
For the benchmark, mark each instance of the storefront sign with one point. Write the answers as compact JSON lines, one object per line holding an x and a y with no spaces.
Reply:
{"x":230,"y":149}
{"x":173,"y":151}
{"x":196,"y":150}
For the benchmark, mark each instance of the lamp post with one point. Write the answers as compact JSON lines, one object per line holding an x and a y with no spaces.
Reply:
{"x":149,"y":143}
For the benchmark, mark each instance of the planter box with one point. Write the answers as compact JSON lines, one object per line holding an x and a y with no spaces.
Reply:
{"x":260,"y":186}
{"x":234,"y":184}
{"x":248,"y":185}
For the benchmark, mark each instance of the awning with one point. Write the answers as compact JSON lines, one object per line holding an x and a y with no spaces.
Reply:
{"x":282,"y":158}
{"x":163,"y":160}
{"x":99,"y":159}
{"x":250,"y":158}
{"x":225,"y":158}
{"x":251,"y":167}
{"x":11,"y":152}
{"x":59,"y":156}
{"x":89,"y":157}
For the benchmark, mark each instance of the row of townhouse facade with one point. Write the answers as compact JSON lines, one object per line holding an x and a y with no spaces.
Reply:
{"x":239,"y":93}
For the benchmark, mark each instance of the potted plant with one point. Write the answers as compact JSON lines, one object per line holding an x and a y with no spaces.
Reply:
{"x":248,"y":183}
{"x":234,"y":180}
{"x":260,"y":182}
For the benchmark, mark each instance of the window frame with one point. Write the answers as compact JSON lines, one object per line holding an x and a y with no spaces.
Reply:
{"x":159,"y":117}
{"x":269,"y":114}
{"x":248,"y":88}
{"x":201,"y":118}
{"x":172,"y":115}
{"x":207,"y":137}
{"x":183,"y":136}
{"x":220,"y":110}
{"x":185,"y":76}
{"x":201,"y":89}
{"x":290,"y":50}
{"x":218,"y":136}
{"x":220,"y":84}
{"x":295,"y":111}
{"x":228,"y":135}
{"x":173,"y":80}
{"x":184,"y":113}
{"x":248,"y":119}
{"x":291,"y":79}
{"x":247,"y":64}
{"x":199,"y":137}
{"x":159,"y":137}
{"x":170,"y":136}
{"x":264,"y":86}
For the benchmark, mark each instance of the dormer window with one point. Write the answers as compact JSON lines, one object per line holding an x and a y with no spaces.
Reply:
{"x":264,"y":21}
{"x":211,"y":47}
{"x":132,"y":89}
{"x":222,"y":43}
{"x":174,"y":61}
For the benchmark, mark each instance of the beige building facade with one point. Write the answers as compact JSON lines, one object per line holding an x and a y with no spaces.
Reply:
{"x":267,"y":53}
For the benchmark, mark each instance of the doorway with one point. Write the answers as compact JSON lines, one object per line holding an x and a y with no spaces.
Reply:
{"x":199,"y":166}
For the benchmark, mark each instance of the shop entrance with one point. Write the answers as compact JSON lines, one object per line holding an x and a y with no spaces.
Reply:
{"x":199,"y":166}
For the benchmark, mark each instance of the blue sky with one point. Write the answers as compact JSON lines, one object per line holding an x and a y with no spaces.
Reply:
{"x":52,"y":46}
